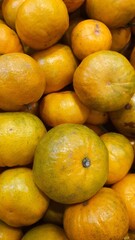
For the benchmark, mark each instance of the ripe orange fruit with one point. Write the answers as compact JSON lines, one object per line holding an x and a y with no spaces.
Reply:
{"x":9,"y":11}
{"x":104,"y":81}
{"x":103,"y":216}
{"x":70,"y":163}
{"x":21,"y":202}
{"x":62,"y":107}
{"x":126,"y":190}
{"x":124,"y":119}
{"x":7,"y":232}
{"x":90,"y":36}
{"x":21,"y":79}
{"x":9,"y":40}
{"x":73,"y":5}
{"x":45,"y":231}
{"x":58,"y":64}
{"x":96,"y":117}
{"x":132,"y":57}
{"x":113,"y":13}
{"x":120,"y":38}
{"x":121,"y":155}
{"x":20,"y":133}
{"x":40,"y":24}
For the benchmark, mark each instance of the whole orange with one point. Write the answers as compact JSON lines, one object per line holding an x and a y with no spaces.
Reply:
{"x":7,"y":232}
{"x":21,"y":79}
{"x":103,"y":216}
{"x":113,"y":13}
{"x":121,"y":155}
{"x":40,"y":24}
{"x":120,"y":38}
{"x":73,"y":5}
{"x":70,"y":163}
{"x":90,"y":36}
{"x":104,"y":81}
{"x":126,"y":190}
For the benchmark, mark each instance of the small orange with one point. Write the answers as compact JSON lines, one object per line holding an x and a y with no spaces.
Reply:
{"x":113,"y":13}
{"x":120,"y":38}
{"x":132,"y":57}
{"x":90,"y":36}
{"x":45,"y":232}
{"x":126,"y":190}
{"x":73,"y":5}
{"x":21,"y":202}
{"x":70,"y":163}
{"x":104,"y":81}
{"x":40,"y":24}
{"x":9,"y":40}
{"x":9,"y":11}
{"x":62,"y":107}
{"x":103,"y":216}
{"x":96,"y":117}
{"x":7,"y":232}
{"x":58,"y":63}
{"x":98,"y":129}
{"x":21,"y":79}
{"x":121,"y":156}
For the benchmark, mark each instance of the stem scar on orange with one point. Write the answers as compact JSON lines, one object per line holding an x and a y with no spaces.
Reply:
{"x":70,"y":163}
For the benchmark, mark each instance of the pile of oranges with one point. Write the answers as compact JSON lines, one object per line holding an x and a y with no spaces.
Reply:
{"x":67,"y":120}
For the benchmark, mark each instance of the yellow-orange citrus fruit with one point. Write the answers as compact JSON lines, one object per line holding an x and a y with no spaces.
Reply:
{"x":40,"y":24}
{"x":113,"y":13}
{"x":21,"y":79}
{"x":120,"y":38}
{"x":126,"y":190}
{"x":45,"y":231}
{"x":73,"y":5}
{"x":7,"y":232}
{"x":9,"y":11}
{"x":62,"y":107}
{"x":20,"y":133}
{"x":58,"y":64}
{"x":121,"y":156}
{"x":90,"y":36}
{"x":70,"y":163}
{"x":96,"y":117}
{"x":21,"y":202}
{"x":9,"y":40}
{"x":103,"y":216}
{"x":104,"y":81}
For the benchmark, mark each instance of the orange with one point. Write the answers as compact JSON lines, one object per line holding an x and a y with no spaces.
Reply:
{"x":73,"y":5}
{"x":9,"y":11}
{"x":98,"y":129}
{"x":21,"y":79}
{"x":104,"y":81}
{"x":103,"y":216}
{"x":40,"y":24}
{"x":121,"y":155}
{"x":58,"y":64}
{"x":132,"y":57}
{"x":9,"y":40}
{"x":120,"y":38}
{"x":45,"y":232}
{"x":113,"y":13}
{"x":70,"y":163}
{"x":54,"y":213}
{"x":90,"y":36}
{"x":20,"y":133}
{"x":21,"y":202}
{"x":124,"y":119}
{"x":62,"y":107}
{"x":7,"y":232}
{"x":126,"y":190}
{"x":96,"y":117}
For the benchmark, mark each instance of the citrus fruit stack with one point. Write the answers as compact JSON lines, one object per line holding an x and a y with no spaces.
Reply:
{"x":67,"y":119}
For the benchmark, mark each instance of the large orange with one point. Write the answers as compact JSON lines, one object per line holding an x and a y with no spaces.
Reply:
{"x":121,"y":155}
{"x":62,"y":107}
{"x":126,"y":190}
{"x":113,"y":13}
{"x":58,"y":63}
{"x":89,"y":36}
{"x":70,"y":163}
{"x":104,"y":81}
{"x":40,"y":24}
{"x":21,"y":79}
{"x":104,"y":216}
{"x":21,"y":202}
